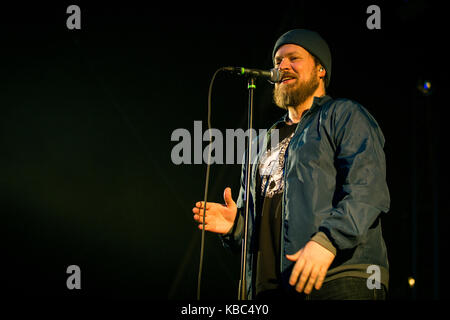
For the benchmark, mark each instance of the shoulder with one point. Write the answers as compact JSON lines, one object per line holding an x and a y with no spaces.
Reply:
{"x":343,"y":109}
{"x":343,"y":105}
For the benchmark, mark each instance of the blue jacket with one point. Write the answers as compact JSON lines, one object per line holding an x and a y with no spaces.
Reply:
{"x":335,"y":185}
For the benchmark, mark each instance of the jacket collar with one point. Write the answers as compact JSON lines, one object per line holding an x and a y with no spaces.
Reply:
{"x":317,"y":102}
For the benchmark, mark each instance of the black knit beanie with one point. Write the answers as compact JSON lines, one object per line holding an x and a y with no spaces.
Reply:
{"x":312,"y":42}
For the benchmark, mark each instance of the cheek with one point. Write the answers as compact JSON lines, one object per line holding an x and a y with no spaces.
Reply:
{"x":302,"y":68}
{"x":299,"y":70}
{"x":296,"y":67}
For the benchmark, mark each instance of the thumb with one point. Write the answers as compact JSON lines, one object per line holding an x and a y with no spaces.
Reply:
{"x":295,"y":256}
{"x":227,"y":197}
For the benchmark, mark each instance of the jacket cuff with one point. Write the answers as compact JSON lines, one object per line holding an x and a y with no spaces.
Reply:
{"x":236,"y":229}
{"x":322,"y":239}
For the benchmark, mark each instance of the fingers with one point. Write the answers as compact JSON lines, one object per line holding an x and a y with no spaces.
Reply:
{"x":209,"y":223}
{"x":312,"y":276}
{"x":200,"y":204}
{"x":312,"y":280}
{"x":298,"y":268}
{"x":218,"y":217}
{"x":304,"y":277}
{"x":295,"y":256}
{"x":228,"y":198}
{"x":207,"y":227}
{"x":199,"y":218}
{"x":310,"y":268}
{"x":200,"y":212}
{"x":320,"y":278}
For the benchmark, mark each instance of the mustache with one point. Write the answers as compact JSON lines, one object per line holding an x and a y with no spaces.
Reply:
{"x":285,"y":75}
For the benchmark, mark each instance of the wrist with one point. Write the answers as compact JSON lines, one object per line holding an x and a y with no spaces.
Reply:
{"x":322,"y":239}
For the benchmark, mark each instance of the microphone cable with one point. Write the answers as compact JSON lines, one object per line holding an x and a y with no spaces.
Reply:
{"x":208,"y":165}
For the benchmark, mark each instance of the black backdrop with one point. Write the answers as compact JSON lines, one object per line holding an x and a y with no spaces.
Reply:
{"x":86,"y":118}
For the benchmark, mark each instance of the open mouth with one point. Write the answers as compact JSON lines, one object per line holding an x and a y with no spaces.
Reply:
{"x":286,"y":79}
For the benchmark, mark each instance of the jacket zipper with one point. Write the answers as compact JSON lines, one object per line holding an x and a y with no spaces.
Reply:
{"x":284,"y":193}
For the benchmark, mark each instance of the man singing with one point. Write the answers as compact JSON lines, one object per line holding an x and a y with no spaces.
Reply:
{"x":316,"y":196}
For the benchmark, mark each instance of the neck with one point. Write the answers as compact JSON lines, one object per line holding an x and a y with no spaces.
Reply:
{"x":296,"y":113}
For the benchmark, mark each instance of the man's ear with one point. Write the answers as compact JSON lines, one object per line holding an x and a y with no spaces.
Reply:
{"x":322,"y":72}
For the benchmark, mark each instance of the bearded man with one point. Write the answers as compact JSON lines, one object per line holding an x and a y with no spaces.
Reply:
{"x":316,"y":196}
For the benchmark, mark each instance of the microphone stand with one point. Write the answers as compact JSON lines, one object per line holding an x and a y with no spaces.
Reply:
{"x":242,"y":294}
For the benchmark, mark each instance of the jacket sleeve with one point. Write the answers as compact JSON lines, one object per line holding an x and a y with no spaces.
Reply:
{"x":361,"y":188}
{"x":233,"y":238}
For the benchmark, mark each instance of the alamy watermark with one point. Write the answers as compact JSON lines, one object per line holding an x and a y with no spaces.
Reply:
{"x":228,"y":148}
{"x":74,"y":279}
{"x":74,"y":20}
{"x":374,"y":280}
{"x":374,"y":20}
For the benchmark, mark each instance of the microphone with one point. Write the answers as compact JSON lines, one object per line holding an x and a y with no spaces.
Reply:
{"x":273,"y":75}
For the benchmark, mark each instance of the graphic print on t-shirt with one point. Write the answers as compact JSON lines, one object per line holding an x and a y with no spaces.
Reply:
{"x":271,"y":169}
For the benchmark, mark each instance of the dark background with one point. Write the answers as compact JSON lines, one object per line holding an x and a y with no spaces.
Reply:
{"x":86,"y":118}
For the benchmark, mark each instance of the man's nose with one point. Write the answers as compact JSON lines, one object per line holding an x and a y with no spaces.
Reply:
{"x":284,"y":64}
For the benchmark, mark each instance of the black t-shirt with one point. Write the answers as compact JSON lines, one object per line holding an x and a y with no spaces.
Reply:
{"x":270,"y":186}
